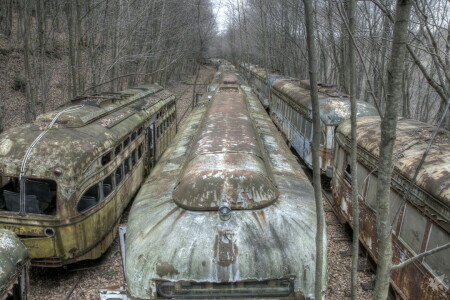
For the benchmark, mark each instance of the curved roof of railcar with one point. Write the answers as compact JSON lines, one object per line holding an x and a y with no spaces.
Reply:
{"x":334,"y":107}
{"x":167,"y":242}
{"x":13,"y":255}
{"x":226,"y":162}
{"x":78,"y":136}
{"x":412,"y":139}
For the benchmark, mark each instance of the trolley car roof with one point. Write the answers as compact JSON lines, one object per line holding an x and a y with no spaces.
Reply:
{"x":334,"y":107}
{"x":70,"y":146}
{"x":411,"y":143}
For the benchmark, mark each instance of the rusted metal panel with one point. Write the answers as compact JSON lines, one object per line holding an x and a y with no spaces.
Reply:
{"x":166,"y":243}
{"x":416,"y":280}
{"x":411,"y":142}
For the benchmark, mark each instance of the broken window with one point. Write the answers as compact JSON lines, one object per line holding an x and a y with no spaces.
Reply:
{"x":40,"y":196}
{"x":439,"y":262}
{"x":89,"y":199}
{"x":413,"y":228}
{"x":396,"y":202}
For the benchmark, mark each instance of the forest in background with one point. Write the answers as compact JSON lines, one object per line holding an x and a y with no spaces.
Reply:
{"x":273,"y":33}
{"x":52,"y":50}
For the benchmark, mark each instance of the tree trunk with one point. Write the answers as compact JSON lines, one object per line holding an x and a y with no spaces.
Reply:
{"x":352,"y":91}
{"x":320,"y":234}
{"x":388,"y":133}
{"x":25,"y":15}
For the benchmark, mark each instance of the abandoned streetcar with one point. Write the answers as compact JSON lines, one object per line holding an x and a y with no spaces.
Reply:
{"x":289,"y":103}
{"x":68,"y":176}
{"x":226,"y":212}
{"x":420,"y":205}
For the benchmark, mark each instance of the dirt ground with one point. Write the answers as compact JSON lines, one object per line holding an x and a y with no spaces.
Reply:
{"x":83,"y":280}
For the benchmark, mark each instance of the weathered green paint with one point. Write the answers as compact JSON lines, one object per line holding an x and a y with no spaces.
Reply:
{"x":166,"y":242}
{"x":75,"y":146}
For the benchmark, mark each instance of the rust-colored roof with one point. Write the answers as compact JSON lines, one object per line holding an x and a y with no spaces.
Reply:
{"x":412,"y":139}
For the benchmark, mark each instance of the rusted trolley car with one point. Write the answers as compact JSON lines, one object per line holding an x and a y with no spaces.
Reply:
{"x":226,"y":213}
{"x":14,"y":264}
{"x":72,"y":172}
{"x":291,"y":111}
{"x":420,"y":218}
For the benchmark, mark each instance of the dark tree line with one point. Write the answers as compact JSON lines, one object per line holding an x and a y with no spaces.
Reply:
{"x":104,"y":44}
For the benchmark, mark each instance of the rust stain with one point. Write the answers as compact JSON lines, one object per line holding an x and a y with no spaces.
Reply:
{"x":225,"y":249}
{"x":166,"y":269}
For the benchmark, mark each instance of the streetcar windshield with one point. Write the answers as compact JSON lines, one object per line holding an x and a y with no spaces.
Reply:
{"x":39,"y":196}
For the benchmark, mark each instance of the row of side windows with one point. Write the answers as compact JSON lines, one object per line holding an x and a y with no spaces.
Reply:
{"x":301,"y":124}
{"x":107,"y":158}
{"x":165,"y":109}
{"x":101,"y":190}
{"x":165,"y":125}
{"x":413,"y":224}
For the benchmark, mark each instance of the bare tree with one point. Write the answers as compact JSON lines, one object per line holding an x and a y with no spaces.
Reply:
{"x":388,"y":133}
{"x":353,"y":147}
{"x":313,"y":67}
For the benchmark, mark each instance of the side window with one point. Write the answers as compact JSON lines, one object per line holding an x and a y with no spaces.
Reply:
{"x":133,"y":158}
{"x":106,"y":158}
{"x":304,"y":121}
{"x":126,"y":142}
{"x":439,"y":262}
{"x":348,"y":170}
{"x":322,"y":136}
{"x":89,"y":199}
{"x":119,"y":175}
{"x":140,"y":150}
{"x":133,"y":136}
{"x":308,"y":130}
{"x":362,"y":174}
{"x":396,"y":202}
{"x":413,"y":228}
{"x":107,"y":186}
{"x":126,"y":165}
{"x":372,"y":191}
{"x":118,"y":150}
